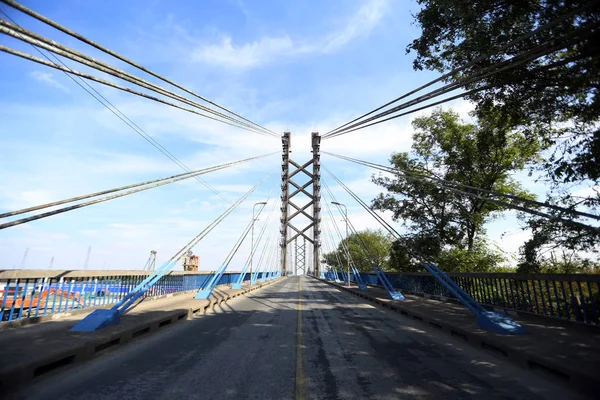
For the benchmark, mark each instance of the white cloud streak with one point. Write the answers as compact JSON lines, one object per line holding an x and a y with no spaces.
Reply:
{"x":268,"y":49}
{"x":48,"y":79}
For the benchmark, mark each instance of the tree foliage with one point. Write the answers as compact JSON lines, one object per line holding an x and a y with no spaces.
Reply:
{"x":443,"y":225}
{"x":554,"y":98}
{"x":558,"y":90}
{"x":368,"y":248}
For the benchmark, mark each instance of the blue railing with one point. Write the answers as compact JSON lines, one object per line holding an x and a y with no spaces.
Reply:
{"x":573,"y":297}
{"x":35,"y":297}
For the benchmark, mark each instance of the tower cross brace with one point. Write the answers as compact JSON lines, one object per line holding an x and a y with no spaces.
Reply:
{"x":291,"y":208}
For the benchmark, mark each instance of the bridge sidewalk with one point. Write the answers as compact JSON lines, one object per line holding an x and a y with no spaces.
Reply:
{"x":34,"y":350}
{"x":565,"y":350}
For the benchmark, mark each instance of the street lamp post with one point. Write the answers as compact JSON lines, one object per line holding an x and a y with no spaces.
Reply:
{"x":263,"y":203}
{"x":347,"y":238}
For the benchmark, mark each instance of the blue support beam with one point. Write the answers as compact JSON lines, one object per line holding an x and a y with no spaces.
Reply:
{"x":344,"y":277}
{"x":101,"y":318}
{"x":358,"y":279}
{"x":206,"y":291}
{"x":254,"y":277}
{"x":337,"y":277}
{"x":240,"y":280}
{"x":493,"y":321}
{"x":394,"y":294}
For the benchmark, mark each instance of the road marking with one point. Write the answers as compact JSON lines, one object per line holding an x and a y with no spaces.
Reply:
{"x":300,"y":392}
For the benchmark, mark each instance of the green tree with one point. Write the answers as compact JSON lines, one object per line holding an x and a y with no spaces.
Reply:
{"x":560,"y":88}
{"x":443,"y":225}
{"x":554,"y":98}
{"x":368,"y":248}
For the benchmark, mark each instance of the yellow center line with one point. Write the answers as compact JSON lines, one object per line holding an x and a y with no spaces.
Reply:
{"x":300,"y":392}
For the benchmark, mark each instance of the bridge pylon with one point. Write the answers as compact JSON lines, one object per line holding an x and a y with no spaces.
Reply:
{"x":293,"y":210}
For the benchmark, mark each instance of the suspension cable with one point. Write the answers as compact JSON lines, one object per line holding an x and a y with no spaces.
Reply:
{"x":509,"y":64}
{"x":266,"y":248}
{"x":87,"y":196}
{"x":475,"y":61}
{"x":54,"y":47}
{"x":239,"y":242}
{"x":271,"y":256}
{"x":262,"y":231}
{"x":345,"y":245}
{"x":83,"y":39}
{"x":108,"y":83}
{"x":331,"y":242}
{"x":497,"y":202}
{"x":458,"y":96}
{"x":119,"y":114}
{"x":125,"y":193}
{"x":363,"y":246}
{"x":192,"y":243}
{"x":446,"y":184}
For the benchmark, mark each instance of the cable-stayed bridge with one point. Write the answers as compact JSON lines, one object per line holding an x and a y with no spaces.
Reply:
{"x":285,"y":324}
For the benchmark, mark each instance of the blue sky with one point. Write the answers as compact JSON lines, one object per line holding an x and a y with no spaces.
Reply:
{"x":297,"y":66}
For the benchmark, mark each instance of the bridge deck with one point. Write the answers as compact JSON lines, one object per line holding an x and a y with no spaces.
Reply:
{"x":263,"y":346}
{"x":569,"y":351}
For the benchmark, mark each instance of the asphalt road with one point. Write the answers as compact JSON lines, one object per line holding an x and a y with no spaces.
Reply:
{"x":298,"y":338}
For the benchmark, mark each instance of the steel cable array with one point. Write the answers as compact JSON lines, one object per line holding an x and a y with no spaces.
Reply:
{"x":451,"y":184}
{"x":144,"y":186}
{"x":363,"y":246}
{"x":119,"y":114}
{"x":411,"y":251}
{"x":192,"y":243}
{"x":345,"y":245}
{"x":263,"y":229}
{"x":497,"y":202}
{"x":83,"y":39}
{"x":38,"y":60}
{"x":329,"y":241}
{"x":519,"y":59}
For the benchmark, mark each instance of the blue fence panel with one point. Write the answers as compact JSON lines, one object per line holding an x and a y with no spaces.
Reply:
{"x":573,"y":297}
{"x":34,"y":297}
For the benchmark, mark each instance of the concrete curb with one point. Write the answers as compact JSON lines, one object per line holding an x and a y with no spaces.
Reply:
{"x":85,"y":348}
{"x":576,"y":380}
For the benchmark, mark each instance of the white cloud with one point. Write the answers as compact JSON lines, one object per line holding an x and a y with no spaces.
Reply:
{"x":247,"y":55}
{"x":268,"y":49}
{"x":360,"y":24}
{"x":28,"y":198}
{"x":48,"y":79}
{"x":590,"y":191}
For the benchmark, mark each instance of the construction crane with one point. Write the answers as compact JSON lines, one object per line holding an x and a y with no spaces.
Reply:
{"x":24,"y":258}
{"x":87,"y":258}
{"x":151,"y":263}
{"x":190,"y":261}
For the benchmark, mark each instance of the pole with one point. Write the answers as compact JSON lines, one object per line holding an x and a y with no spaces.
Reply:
{"x":283,"y":230}
{"x":347,"y":238}
{"x":252,"y":245}
{"x":316,"y":243}
{"x":347,"y":243}
{"x":252,"y":237}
